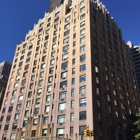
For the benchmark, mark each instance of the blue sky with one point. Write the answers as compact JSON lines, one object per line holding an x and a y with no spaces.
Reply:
{"x":17,"y":17}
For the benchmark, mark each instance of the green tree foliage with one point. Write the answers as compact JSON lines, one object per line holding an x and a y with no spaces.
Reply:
{"x":137,"y":124}
{"x":133,"y":127}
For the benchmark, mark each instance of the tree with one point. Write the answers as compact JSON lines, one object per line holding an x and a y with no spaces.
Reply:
{"x":137,"y":124}
{"x":133,"y":127}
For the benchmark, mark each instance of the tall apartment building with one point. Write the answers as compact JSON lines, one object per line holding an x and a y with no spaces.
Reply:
{"x":136,"y":59}
{"x":72,"y":71}
{"x":4,"y":74}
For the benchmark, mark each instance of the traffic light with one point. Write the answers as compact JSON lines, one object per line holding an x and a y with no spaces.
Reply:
{"x":88,"y":132}
{"x":92,"y":133}
{"x":85,"y":132}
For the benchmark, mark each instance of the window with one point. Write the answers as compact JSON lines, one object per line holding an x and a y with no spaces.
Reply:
{"x":18,"y":107}
{"x":14,"y":126}
{"x":16,"y":116}
{"x":12,"y":100}
{"x":72,"y":104}
{"x":82,"y":9}
{"x":98,"y":104}
{"x":83,"y":102}
{"x":26,"y":113}
{"x":1,"y":119}
{"x":82,"y":58}
{"x":96,"y":69}
{"x":61,"y":119}
{"x":4,"y":137}
{"x":82,"y":40}
{"x":82,"y":115}
{"x":82,"y":32}
{"x":62,"y":106}
{"x":31,"y":85}
{"x":71,"y":131}
{"x":74,"y":43}
{"x":54,"y":39}
{"x":62,"y":95}
{"x":41,"y":74}
{"x":66,"y":33}
{"x":53,"y":54}
{"x":74,"y":52}
{"x":46,"y":38}
{"x":82,"y":89}
{"x":65,"y":48}
{"x":53,"y":46}
{"x":51,"y":70}
{"x":10,"y":109}
{"x":20,"y":98}
{"x":32,"y":77}
{"x":46,"y":119}
{"x":26,"y":67}
{"x":82,"y":23}
{"x":43,"y":66}
{"x":18,"y":77}
{"x":6,"y":127}
{"x":35,"y":121}
{"x":47,"y":109}
{"x":25,"y":74}
{"x":82,"y":78}
{"x":82,"y":67}
{"x":73,"y":70}
{"x":60,"y":131}
{"x":33,"y":133}
{"x":36,"y":111}
{"x":56,"y":20}
{"x":29,"y":53}
{"x":22,"y":89}
{"x":72,"y":117}
{"x":57,"y":14}
{"x":15,"y":85}
{"x":65,"y":56}
{"x":8,"y":118}
{"x":49,"y":88}
{"x":48,"y":98}
{"x":20,"y":64}
{"x":22,"y":134}
{"x":39,"y":91}
{"x":73,"y":81}
{"x":97,"y":91}
{"x":21,"y":57}
{"x":82,"y":16}
{"x":63,"y":84}
{"x":82,"y":2}
{"x":72,"y":92}
{"x":14,"y":92}
{"x":30,"y":94}
{"x":64,"y":74}
{"x":64,"y":65}
{"x":44,"y":132}
{"x":13,"y":137}
{"x":73,"y":61}
{"x":74,"y":35}
{"x":52,"y":62}
{"x":66,"y":40}
{"x":18,"y":71}
{"x":97,"y":80}
{"x":67,"y":19}
{"x":45,"y":44}
{"x":40,"y":82}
